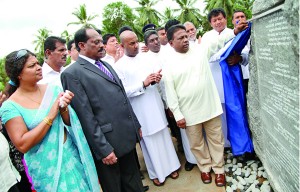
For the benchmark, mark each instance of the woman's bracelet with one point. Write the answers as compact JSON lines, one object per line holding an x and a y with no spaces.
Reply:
{"x":48,"y":121}
{"x":62,"y":112}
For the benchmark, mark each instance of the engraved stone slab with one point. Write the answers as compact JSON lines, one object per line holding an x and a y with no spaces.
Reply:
{"x":262,"y":5}
{"x":273,"y":97}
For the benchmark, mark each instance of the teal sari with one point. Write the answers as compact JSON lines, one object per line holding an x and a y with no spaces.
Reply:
{"x":53,"y":164}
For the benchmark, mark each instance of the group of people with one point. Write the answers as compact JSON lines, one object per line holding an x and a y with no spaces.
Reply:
{"x":78,"y":125}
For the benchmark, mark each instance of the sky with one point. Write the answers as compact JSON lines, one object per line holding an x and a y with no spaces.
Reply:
{"x":20,"y":20}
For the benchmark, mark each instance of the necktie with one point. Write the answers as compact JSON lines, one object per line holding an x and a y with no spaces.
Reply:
{"x":102,"y":68}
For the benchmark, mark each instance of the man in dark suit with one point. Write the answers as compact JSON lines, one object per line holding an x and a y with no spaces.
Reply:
{"x":107,"y":118}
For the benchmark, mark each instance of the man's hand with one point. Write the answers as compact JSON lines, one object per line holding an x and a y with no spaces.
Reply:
{"x":144,"y":49}
{"x":181,"y":123}
{"x":149,"y":79}
{"x":110,"y":159}
{"x":169,"y":112}
{"x":199,"y":39}
{"x":119,"y":53}
{"x":242,"y":25}
{"x":234,"y":58}
{"x":158,"y":76}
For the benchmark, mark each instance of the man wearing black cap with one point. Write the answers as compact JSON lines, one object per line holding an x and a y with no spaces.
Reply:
{"x":149,"y":27}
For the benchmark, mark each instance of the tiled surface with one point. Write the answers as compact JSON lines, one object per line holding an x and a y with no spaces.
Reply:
{"x":188,"y":181}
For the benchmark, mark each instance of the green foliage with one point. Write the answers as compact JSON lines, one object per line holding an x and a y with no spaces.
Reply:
{"x":3,"y":77}
{"x":39,"y":43}
{"x":83,"y":17}
{"x":66,"y":35}
{"x":187,"y":12}
{"x":204,"y":25}
{"x":229,"y":7}
{"x":147,"y":14}
{"x":116,"y":15}
{"x":68,"y":61}
{"x":168,"y":14}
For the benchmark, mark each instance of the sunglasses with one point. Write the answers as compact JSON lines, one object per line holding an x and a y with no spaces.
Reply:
{"x":21,"y":53}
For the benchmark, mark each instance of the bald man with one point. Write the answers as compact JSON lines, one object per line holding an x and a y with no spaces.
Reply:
{"x":140,"y":79}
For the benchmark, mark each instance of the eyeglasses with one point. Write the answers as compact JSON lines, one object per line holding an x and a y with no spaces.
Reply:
{"x":21,"y":53}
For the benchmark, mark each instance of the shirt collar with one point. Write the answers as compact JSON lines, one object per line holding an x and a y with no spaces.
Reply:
{"x":47,"y":69}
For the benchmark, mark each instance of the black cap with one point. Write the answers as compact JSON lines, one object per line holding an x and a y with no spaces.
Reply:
{"x":149,"y":27}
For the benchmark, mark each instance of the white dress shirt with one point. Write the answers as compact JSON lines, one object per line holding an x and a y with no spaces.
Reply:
{"x":50,"y":76}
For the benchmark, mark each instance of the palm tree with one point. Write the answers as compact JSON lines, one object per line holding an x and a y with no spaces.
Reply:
{"x":39,"y":43}
{"x":247,"y":4}
{"x":83,"y":18}
{"x":168,"y":14}
{"x":188,"y":12}
{"x":66,"y":35}
{"x":227,"y":5}
{"x":147,"y":13}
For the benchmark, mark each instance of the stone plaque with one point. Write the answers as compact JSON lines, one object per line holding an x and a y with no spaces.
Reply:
{"x":273,"y":97}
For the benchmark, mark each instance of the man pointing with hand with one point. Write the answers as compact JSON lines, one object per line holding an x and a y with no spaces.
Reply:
{"x":140,"y":78}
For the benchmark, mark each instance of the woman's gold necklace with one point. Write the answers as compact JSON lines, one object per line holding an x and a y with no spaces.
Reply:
{"x":32,"y":99}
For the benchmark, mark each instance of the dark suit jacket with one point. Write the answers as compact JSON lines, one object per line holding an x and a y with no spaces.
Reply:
{"x":103,"y":108}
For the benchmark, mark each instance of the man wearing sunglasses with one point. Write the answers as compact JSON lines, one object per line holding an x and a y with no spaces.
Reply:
{"x":55,"y":58}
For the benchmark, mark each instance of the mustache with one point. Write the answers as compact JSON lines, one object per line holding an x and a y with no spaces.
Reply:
{"x":101,"y":49}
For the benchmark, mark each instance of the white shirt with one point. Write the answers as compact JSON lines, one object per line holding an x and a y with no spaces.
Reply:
{"x":158,"y":59}
{"x":190,"y":88}
{"x":245,"y":62}
{"x":50,"y":76}
{"x":215,"y":67}
{"x":109,"y":59}
{"x":146,"y":103}
{"x":9,"y":176}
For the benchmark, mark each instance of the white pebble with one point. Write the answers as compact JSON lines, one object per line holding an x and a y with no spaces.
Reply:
{"x":234,"y":182}
{"x":251,"y":188}
{"x":240,"y":186}
{"x":255,"y":190}
{"x":234,"y":161}
{"x":253,"y":173}
{"x":248,"y":180}
{"x":261,"y":168}
{"x":233,"y":187}
{"x":266,"y":183}
{"x":241,"y":180}
{"x":259,"y":173}
{"x":228,"y":179}
{"x":247,"y":172}
{"x":252,"y":177}
{"x":228,"y":189}
{"x":265,"y":188}
{"x":254,"y":165}
{"x":228,"y":161}
{"x":265,"y":175}
{"x":234,"y":167}
{"x":250,"y":162}
{"x":240,"y":165}
{"x":238,"y":171}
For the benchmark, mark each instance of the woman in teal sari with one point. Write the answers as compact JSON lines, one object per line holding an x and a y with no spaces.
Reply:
{"x":45,"y":128}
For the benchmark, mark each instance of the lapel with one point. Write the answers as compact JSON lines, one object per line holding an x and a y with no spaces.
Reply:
{"x":87,"y":65}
